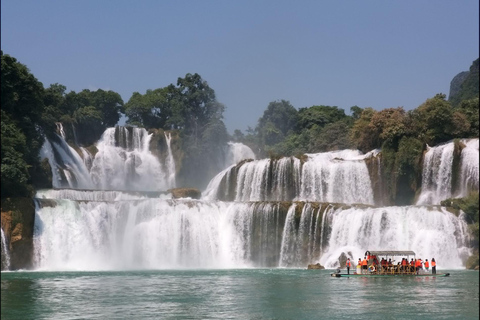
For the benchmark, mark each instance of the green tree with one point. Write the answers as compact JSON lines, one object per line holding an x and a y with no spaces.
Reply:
{"x":470,"y":109}
{"x":433,"y":120}
{"x":278,"y":119}
{"x":22,"y":126}
{"x":15,"y":175}
{"x":319,"y":115}
{"x":364,"y":136}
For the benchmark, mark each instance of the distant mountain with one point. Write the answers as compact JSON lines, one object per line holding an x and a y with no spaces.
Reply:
{"x":465,"y":85}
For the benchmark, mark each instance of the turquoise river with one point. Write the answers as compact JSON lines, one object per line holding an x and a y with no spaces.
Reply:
{"x":277,"y":293}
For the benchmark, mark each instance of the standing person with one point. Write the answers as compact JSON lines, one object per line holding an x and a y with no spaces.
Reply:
{"x":418,"y":264}
{"x":364,"y":265}
{"x":359,"y":266}
{"x":348,"y":264}
{"x":434,"y":266}
{"x":426,"y":264}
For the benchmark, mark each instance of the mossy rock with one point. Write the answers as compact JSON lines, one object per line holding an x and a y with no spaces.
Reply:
{"x":473,"y":262}
{"x":316,"y":266}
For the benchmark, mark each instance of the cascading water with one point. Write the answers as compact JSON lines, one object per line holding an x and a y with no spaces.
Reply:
{"x":146,"y":233}
{"x":123,"y":162}
{"x":340,"y":176}
{"x":5,"y":254}
{"x":438,"y":171}
{"x":277,"y":212}
{"x":118,"y":231}
{"x":469,"y":167}
{"x":237,"y":152}
{"x":126,"y":163}
{"x":431,"y":232}
{"x":437,"y":174}
{"x":170,"y":162}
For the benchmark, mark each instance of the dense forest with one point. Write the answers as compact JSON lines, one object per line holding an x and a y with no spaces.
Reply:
{"x":30,"y":112}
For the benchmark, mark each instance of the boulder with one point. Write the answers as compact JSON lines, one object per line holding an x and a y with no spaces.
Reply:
{"x":185,"y":193}
{"x":317,"y":266}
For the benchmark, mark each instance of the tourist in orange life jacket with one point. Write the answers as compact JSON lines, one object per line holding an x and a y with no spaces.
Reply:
{"x":348,"y":265}
{"x":404,"y":264}
{"x":427,"y":265}
{"x":434,"y":266}
{"x":364,"y":265}
{"x":418,"y":265}
{"x":412,"y":265}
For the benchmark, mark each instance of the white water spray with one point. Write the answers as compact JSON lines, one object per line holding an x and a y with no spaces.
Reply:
{"x":5,"y":253}
{"x":430,"y":232}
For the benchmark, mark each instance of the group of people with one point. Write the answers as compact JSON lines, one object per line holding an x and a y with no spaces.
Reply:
{"x":370,"y":264}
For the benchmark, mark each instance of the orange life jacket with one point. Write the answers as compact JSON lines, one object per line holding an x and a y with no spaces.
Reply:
{"x":349,"y":264}
{"x":433,"y":264}
{"x":426,"y":264}
{"x":364,"y":262}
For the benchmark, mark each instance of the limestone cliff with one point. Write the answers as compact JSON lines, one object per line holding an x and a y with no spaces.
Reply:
{"x":18,"y":217}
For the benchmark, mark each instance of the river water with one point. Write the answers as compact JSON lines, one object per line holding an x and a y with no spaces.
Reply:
{"x":235,"y":294}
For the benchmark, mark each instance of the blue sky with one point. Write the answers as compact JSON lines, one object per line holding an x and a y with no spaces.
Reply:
{"x":378,"y":54}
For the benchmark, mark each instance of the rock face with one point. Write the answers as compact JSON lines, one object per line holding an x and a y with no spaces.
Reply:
{"x":185,"y":193}
{"x":18,"y":217}
{"x":456,"y":83}
{"x":465,"y":85}
{"x":317,"y":266}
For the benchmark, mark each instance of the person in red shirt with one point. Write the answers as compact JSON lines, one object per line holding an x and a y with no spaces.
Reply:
{"x":434,"y":266}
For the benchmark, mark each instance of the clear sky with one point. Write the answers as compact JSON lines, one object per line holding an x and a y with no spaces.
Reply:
{"x":378,"y":54}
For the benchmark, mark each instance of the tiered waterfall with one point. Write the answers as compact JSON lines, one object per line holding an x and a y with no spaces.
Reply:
{"x":286,"y":212}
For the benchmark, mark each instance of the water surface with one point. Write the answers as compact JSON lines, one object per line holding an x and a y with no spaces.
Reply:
{"x":235,"y":294}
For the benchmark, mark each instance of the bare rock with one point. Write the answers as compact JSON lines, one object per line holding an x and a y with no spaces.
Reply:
{"x":185,"y":193}
{"x":317,"y":266}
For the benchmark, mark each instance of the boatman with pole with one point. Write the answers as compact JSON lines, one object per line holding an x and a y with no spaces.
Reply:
{"x":348,"y":265}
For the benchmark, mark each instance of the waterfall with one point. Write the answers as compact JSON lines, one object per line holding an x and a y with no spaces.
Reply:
{"x":340,"y":176}
{"x":60,"y":129}
{"x":431,"y":232}
{"x":126,"y":231}
{"x":170,"y":162}
{"x":438,"y":172}
{"x":469,"y":168}
{"x":5,"y":253}
{"x":110,"y":211}
{"x":68,"y":168}
{"x":123,"y":162}
{"x":155,"y":234}
{"x":237,"y":152}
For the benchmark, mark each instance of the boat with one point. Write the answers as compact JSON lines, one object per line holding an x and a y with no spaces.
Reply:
{"x":391,"y":268}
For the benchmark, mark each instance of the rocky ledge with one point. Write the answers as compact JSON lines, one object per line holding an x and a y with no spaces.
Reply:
{"x":185,"y":193}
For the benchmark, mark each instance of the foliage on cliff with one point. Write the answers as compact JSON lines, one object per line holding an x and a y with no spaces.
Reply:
{"x":29,"y":112}
{"x":468,"y":88}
